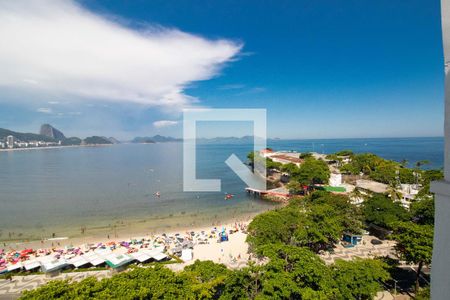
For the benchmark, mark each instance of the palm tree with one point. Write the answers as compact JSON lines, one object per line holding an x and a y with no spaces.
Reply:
{"x":421,"y":163}
{"x":418,"y":170}
{"x":357,"y":194}
{"x":393,"y":192}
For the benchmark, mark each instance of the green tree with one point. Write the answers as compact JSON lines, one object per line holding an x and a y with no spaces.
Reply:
{"x":273,"y":227}
{"x":365,"y":163}
{"x":207,"y":278}
{"x":382,"y":211}
{"x":291,"y":169}
{"x":270,"y":164}
{"x":305,"y":155}
{"x":243,"y":284}
{"x":344,"y":153}
{"x":414,"y":245}
{"x":359,"y":278}
{"x":296,"y":273}
{"x":321,"y":228}
{"x":313,"y":171}
{"x":140,"y":283}
{"x":317,"y":222}
{"x":350,"y":215}
{"x":422,"y":211}
{"x":423,"y":294}
{"x":251,"y":157}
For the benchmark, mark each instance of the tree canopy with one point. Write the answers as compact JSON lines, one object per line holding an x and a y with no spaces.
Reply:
{"x":360,"y":278}
{"x":312,"y":171}
{"x":317,"y":222}
{"x":382,"y":211}
{"x":414,"y":244}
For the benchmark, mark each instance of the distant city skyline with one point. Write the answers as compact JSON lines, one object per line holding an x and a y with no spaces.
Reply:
{"x":353,"y":69}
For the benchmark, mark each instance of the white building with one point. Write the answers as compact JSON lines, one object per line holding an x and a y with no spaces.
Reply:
{"x":266,"y":152}
{"x":286,"y":159}
{"x":10,"y":141}
{"x":22,"y":144}
{"x":409,"y":193}
{"x":335,"y":179}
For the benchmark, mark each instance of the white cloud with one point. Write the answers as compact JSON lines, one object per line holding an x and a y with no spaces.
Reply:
{"x":44,"y":110}
{"x":57,"y":47}
{"x":164,"y":123}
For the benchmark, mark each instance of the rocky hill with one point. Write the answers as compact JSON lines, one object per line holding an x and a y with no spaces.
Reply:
{"x":51,"y":132}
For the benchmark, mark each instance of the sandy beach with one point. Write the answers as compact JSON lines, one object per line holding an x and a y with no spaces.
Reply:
{"x":123,"y":233}
{"x":204,"y":242}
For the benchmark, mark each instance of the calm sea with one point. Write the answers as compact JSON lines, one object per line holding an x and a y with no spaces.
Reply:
{"x":104,"y":189}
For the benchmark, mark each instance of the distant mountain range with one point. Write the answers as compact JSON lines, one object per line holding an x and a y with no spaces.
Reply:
{"x":48,"y":133}
{"x":248,"y":139}
{"x":155,"y":139}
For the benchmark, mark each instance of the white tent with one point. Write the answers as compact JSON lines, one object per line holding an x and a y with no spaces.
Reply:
{"x":51,"y":264}
{"x":14,"y":267}
{"x":160,"y":256}
{"x":94,"y":259}
{"x":140,"y":256}
{"x":31,"y":264}
{"x":115,"y":260}
{"x":78,"y":261}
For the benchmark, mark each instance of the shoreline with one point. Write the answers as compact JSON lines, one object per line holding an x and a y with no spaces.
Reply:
{"x":233,"y":253}
{"x":125,"y":233}
{"x":52,"y":147}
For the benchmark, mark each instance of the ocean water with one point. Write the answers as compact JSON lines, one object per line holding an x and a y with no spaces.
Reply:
{"x":105,"y":189}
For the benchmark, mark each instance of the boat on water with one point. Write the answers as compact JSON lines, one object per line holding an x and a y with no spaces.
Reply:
{"x":228,"y":196}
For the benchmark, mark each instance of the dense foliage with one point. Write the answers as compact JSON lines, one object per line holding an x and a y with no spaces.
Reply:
{"x":382,"y":211}
{"x":317,"y":222}
{"x":414,"y":244}
{"x":311,"y":171}
{"x":379,"y":169}
{"x":140,"y":283}
{"x":359,"y":279}
{"x":290,"y":273}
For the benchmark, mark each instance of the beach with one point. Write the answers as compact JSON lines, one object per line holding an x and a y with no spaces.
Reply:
{"x":203,"y":243}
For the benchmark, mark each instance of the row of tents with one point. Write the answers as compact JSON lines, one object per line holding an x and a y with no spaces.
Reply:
{"x":50,"y":264}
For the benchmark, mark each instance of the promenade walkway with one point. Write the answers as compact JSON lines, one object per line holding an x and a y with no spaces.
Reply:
{"x":364,"y":250}
{"x":12,"y":289}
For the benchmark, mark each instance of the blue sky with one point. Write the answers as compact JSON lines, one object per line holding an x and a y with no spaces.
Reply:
{"x":322,"y":69}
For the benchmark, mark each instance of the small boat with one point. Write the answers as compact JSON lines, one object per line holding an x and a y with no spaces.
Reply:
{"x":228,"y":196}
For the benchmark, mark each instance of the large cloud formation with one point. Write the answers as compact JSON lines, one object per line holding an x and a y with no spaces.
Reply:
{"x":61,"y":48}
